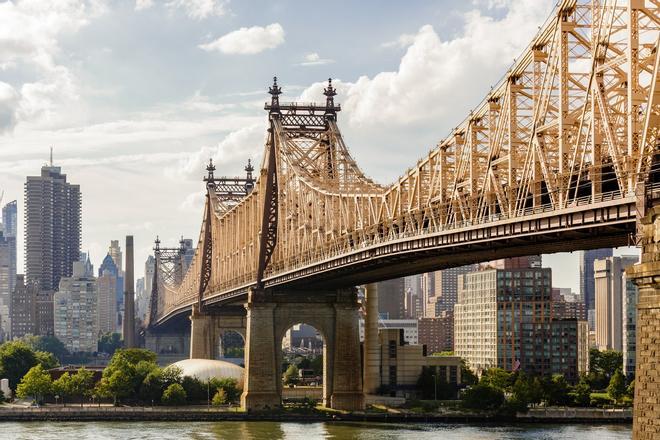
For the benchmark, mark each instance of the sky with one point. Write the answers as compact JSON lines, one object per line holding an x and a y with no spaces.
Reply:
{"x":135,"y":96}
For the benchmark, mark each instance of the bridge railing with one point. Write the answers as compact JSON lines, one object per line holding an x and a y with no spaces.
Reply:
{"x":344,"y":246}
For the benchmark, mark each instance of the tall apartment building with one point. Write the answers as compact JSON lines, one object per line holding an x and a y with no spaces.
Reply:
{"x":609,"y":288}
{"x":75,"y":311}
{"x":107,"y":303}
{"x":503,"y":319}
{"x":52,"y":227}
{"x":9,"y":227}
{"x":569,"y":348}
{"x":413,"y":300}
{"x":23,"y":308}
{"x":567,"y":306}
{"x":587,"y":283}
{"x":141,"y":300}
{"x":437,"y":333}
{"x":43,"y":310}
{"x":440,"y":289}
{"x":391,"y":298}
{"x":5,"y":284}
{"x":630,"y":296}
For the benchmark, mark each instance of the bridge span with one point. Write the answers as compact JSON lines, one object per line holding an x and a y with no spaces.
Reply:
{"x":561,"y":155}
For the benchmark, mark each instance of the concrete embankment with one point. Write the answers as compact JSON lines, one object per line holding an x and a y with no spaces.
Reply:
{"x":546,"y":415}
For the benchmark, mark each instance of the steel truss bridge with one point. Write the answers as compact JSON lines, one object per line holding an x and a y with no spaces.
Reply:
{"x":558,"y":156}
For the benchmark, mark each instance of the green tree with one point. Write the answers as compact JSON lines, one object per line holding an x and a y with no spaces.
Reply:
{"x":63,"y":387}
{"x":151,"y":389}
{"x":47,"y":360}
{"x":36,"y":384}
{"x":483,"y":396}
{"x":467,"y":375}
{"x":498,"y":378}
{"x":82,"y":384}
{"x":117,"y":385}
{"x":291,"y":375}
{"x":109,"y":343}
{"x":174,"y":395}
{"x":196,"y":390}
{"x":171,"y":375}
{"x":228,"y":384}
{"x":317,"y":365}
{"x":617,"y":387}
{"x":556,"y":390}
{"x":582,"y":393}
{"x":602,"y":366}
{"x":630,"y":390}
{"x":49,"y":344}
{"x":220,"y":398}
{"x":16,"y":359}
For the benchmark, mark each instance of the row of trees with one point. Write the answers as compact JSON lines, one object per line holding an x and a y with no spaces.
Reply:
{"x":132,"y":376}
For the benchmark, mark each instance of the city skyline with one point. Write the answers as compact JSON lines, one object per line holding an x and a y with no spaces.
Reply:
{"x":125,"y":140}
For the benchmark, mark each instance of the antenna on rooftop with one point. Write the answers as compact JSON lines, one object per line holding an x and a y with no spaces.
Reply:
{"x":51,"y":156}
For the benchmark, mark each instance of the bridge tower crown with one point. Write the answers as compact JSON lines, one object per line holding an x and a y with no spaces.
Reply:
{"x":274,"y":91}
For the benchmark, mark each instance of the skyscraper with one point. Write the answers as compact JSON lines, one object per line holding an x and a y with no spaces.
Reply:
{"x":115,"y":253}
{"x":109,"y":273}
{"x":630,"y":296}
{"x":5,"y":278}
{"x":587,"y":289}
{"x":609,"y":290}
{"x":23,"y":308}
{"x":52,"y":227}
{"x":9,"y":224}
{"x":391,"y":298}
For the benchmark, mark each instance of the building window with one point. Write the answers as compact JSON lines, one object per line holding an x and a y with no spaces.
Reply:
{"x":392,"y":349}
{"x":393,"y":375}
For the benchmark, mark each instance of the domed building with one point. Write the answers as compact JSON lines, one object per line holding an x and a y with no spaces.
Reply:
{"x":205,"y":369}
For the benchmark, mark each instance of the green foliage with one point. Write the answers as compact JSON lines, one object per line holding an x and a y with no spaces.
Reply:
{"x":234,"y":352}
{"x":602,"y":366}
{"x":117,"y":385}
{"x":582,"y":393}
{"x":316,"y":365}
{"x":36,"y":384}
{"x":174,"y":395}
{"x":599,"y":400}
{"x":109,"y":343}
{"x":443,"y":353}
{"x":617,"y":387}
{"x":48,"y":344}
{"x":151,"y":388}
{"x":171,"y":375}
{"x":467,"y":375}
{"x":630,"y":390}
{"x":134,"y":355}
{"x":63,"y":387}
{"x":556,"y":390}
{"x":82,"y":384}
{"x":135,"y":364}
{"x":291,"y":375}
{"x":229,"y":385}
{"x":483,"y":396}
{"x":220,"y":398}
{"x":525,"y":391}
{"x":47,"y":360}
{"x":16,"y":359}
{"x":196,"y":390}
{"x":498,"y":378}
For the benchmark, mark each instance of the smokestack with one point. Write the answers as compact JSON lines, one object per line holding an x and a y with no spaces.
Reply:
{"x":129,"y":297}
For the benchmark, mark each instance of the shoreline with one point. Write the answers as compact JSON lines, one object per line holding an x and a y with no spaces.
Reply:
{"x":131,"y":414}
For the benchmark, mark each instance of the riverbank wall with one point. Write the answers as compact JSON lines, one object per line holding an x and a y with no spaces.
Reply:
{"x":90,"y":413}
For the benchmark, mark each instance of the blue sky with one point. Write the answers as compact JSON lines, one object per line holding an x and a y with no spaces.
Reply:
{"x":135,"y":96}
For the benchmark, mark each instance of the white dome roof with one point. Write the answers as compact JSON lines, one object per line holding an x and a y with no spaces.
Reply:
{"x":205,"y":369}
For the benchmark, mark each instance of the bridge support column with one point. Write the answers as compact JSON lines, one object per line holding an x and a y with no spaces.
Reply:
{"x":261,"y":389}
{"x":646,"y":275}
{"x":202,"y":335}
{"x":347,"y":393}
{"x":371,"y":343}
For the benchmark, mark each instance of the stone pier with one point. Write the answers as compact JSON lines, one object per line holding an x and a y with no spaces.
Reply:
{"x":207,"y":328}
{"x":333,"y":313}
{"x":646,"y":274}
{"x":371,"y":342}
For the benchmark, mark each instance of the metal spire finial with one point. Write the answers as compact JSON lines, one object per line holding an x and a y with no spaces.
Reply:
{"x":275,"y":91}
{"x":210,"y":168}
{"x":157,"y":242}
{"x":249,"y":181}
{"x":330,"y":94}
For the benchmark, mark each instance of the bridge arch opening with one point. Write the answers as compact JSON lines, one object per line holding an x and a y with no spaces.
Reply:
{"x":302,"y":365}
{"x":231,"y":346}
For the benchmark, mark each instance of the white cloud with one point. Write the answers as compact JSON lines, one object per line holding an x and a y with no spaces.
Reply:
{"x":437,"y":78}
{"x":233,"y":151}
{"x":9,"y":99}
{"x":143,"y":4}
{"x":403,"y":40}
{"x":248,"y":41}
{"x":313,"y":59}
{"x":200,"y":9}
{"x":29,"y":34}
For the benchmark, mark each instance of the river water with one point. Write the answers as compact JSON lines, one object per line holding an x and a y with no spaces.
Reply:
{"x":302,"y":431}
